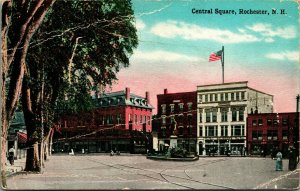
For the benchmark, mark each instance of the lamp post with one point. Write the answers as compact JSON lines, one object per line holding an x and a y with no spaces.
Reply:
{"x":189,"y":130}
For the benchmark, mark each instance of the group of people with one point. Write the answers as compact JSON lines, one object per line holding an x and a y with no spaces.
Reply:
{"x":112,"y":153}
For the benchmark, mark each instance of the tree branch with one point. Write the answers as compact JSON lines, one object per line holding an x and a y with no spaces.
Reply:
{"x":20,"y":58}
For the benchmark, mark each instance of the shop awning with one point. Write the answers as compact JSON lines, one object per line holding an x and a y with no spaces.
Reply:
{"x":22,"y":137}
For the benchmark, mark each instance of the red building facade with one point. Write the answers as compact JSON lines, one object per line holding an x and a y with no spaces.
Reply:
{"x":120,"y":121}
{"x":269,"y":132}
{"x":177,"y":111}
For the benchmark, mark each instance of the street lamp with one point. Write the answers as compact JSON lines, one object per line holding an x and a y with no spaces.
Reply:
{"x":189,"y":131}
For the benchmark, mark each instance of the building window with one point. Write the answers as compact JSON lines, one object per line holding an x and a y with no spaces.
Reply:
{"x":232,"y":96}
{"x":172,"y":108}
{"x":180,"y":107}
{"x":207,"y":115}
{"x":200,"y":131}
{"x":275,"y":121}
{"x":237,"y":130}
{"x":149,"y":121}
{"x":260,"y":122}
{"x":285,"y":122}
{"x":189,"y":119}
{"x":163,"y":109}
{"x":224,"y":130}
{"x":241,"y":114}
{"x":135,"y":119}
{"x":234,"y":114}
{"x":163,"y":120}
{"x":145,"y":119}
{"x":210,"y":97}
{"x":237,"y":95}
{"x":226,"y":96}
{"x":269,"y":122}
{"x":254,"y":122}
{"x":200,"y":115}
{"x":214,"y":115}
{"x":256,"y":135}
{"x":243,"y":95}
{"x":211,"y":131}
{"x":216,"y":97}
{"x":224,"y":113}
{"x":190,"y":106}
{"x":199,"y":98}
{"x":272,"y":135}
{"x":141,"y":119}
{"x":206,"y":98}
{"x":222,"y":97}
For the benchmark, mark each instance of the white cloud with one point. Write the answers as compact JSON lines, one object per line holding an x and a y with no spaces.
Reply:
{"x":267,"y":30}
{"x":254,"y":33}
{"x":172,"y":29}
{"x":269,"y":40}
{"x":140,"y":25}
{"x":287,"y":55}
{"x":165,"y":56}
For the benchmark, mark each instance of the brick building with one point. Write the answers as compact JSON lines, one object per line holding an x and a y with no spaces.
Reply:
{"x":120,"y":121}
{"x":271,"y":131}
{"x":177,"y":110}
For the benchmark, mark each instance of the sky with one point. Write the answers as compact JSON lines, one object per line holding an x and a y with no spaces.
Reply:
{"x":175,"y":44}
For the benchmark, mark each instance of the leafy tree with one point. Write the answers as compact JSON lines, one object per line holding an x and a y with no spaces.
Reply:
{"x":80,"y":46}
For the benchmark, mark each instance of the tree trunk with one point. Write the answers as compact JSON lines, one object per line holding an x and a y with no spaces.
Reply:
{"x":46,"y":144}
{"x":32,"y":158}
{"x":50,"y":142}
{"x":4,"y":68}
{"x":33,"y":162}
{"x":4,"y":150}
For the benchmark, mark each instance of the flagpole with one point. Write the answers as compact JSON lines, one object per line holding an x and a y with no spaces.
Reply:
{"x":222,"y":61}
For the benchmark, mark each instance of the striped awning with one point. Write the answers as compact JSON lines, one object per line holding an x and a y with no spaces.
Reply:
{"x":22,"y":137}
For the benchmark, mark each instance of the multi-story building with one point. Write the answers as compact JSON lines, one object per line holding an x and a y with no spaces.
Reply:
{"x":176,"y":114}
{"x":271,"y":132}
{"x":222,"y":112}
{"x":120,"y":121}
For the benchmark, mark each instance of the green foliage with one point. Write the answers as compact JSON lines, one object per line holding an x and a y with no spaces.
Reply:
{"x":106,"y":37}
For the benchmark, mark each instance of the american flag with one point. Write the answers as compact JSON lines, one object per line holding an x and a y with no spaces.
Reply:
{"x":215,"y":56}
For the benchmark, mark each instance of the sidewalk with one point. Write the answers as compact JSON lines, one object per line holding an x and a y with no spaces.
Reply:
{"x":18,"y":166}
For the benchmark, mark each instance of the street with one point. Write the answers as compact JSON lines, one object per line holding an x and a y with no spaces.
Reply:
{"x":136,"y":172}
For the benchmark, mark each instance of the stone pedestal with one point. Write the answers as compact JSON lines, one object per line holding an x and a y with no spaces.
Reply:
{"x":173,"y":141}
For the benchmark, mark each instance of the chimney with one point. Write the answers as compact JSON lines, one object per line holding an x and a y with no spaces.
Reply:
{"x":166,"y":91}
{"x":127,"y":91}
{"x":147,"y":98}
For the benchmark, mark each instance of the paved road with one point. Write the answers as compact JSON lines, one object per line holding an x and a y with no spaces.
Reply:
{"x":137,"y":172}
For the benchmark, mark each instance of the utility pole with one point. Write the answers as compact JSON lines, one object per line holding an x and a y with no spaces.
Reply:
{"x":297,"y":127}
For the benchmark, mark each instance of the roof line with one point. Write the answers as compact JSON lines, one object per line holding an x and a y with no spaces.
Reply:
{"x":178,"y":93}
{"x":227,"y":83}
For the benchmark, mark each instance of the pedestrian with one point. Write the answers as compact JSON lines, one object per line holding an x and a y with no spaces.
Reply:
{"x":292,"y":158}
{"x":11,"y":154}
{"x":279,"y":161}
